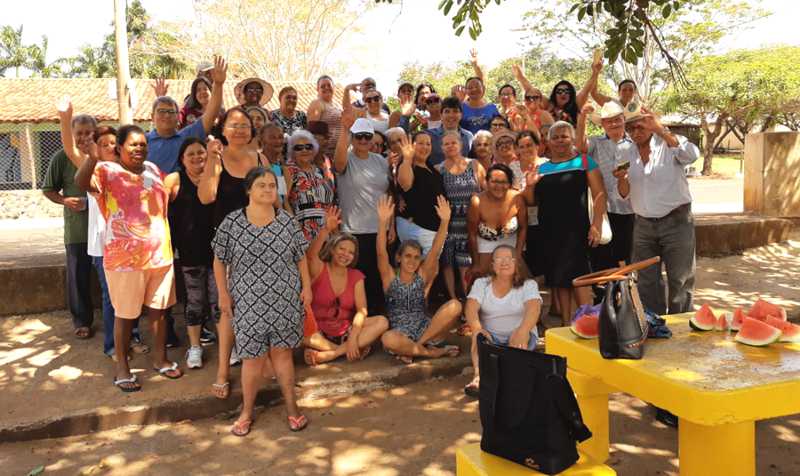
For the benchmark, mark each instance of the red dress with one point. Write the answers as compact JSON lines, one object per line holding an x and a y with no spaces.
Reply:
{"x":334,"y":314}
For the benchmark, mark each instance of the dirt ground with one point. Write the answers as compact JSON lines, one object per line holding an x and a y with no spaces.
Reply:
{"x":411,"y":430}
{"x":414,"y":430}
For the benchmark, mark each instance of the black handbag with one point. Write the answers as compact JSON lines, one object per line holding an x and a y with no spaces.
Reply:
{"x":528,"y":409}
{"x":623,"y":324}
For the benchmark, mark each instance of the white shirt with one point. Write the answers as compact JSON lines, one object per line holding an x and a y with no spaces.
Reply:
{"x":97,"y":229}
{"x":502,"y":316}
{"x":608,"y":153}
{"x":660,"y":185}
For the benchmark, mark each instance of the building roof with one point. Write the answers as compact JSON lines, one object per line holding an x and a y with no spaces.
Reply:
{"x":35,"y":99}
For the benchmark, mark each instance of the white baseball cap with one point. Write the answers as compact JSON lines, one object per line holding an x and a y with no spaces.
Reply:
{"x":362,"y":125}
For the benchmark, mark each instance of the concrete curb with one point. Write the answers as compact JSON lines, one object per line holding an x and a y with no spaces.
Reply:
{"x":194,"y":407}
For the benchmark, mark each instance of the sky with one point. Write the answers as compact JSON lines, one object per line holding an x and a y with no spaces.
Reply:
{"x":405,"y":31}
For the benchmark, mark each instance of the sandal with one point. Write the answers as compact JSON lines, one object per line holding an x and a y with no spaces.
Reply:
{"x":452,"y":350}
{"x":127,"y":385}
{"x":405,"y":359}
{"x":298,"y":423}
{"x":310,"y":357}
{"x":221,"y":390}
{"x":241,"y":428}
{"x":83,"y":332}
{"x":473,"y":388}
{"x":165,"y":371}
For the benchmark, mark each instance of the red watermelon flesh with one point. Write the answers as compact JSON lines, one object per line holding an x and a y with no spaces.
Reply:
{"x":757,"y":333}
{"x":586,"y":326}
{"x":722,"y":323}
{"x":789,"y":332}
{"x":761,"y":309}
{"x":704,"y":319}
{"x":738,"y":319}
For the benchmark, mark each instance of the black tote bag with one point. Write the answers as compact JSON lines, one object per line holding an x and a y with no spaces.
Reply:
{"x":528,"y":409}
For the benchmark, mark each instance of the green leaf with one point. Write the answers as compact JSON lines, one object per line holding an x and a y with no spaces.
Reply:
{"x":459,"y":30}
{"x":666,"y":11}
{"x":581,"y":13}
{"x":448,"y":6}
{"x":36,"y":471}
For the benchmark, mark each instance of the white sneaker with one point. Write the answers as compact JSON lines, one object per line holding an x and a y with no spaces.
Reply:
{"x":234,"y":360}
{"x":194,"y":357}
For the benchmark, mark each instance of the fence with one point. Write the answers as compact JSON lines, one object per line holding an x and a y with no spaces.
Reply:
{"x":25,"y":152}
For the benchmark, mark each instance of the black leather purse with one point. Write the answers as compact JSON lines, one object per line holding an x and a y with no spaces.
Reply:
{"x":623,"y":325}
{"x":528,"y":409}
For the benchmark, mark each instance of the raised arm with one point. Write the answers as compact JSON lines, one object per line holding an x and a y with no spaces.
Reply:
{"x":347,"y":101}
{"x":67,"y":139}
{"x":591,"y":83}
{"x":340,"y":156}
{"x":209,"y":180}
{"x":83,"y":177}
{"x":430,"y":267}
{"x":580,"y":130}
{"x":520,"y":77}
{"x":532,"y":177}
{"x":600,"y":198}
{"x":473,"y":220}
{"x":405,"y":173}
{"x":473,"y":59}
{"x":385,"y":215}
{"x":314,"y":112}
{"x":599,"y":97}
{"x":218,"y":74}
{"x":333,"y":217}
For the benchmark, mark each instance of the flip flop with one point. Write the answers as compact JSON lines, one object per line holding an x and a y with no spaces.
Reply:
{"x":165,"y":371}
{"x":297,"y":423}
{"x":83,"y":332}
{"x":221,"y":390}
{"x":404,"y":359}
{"x":241,"y":428}
{"x":310,"y":357}
{"x":473,"y":389}
{"x":452,"y":350}
{"x":119,"y":382}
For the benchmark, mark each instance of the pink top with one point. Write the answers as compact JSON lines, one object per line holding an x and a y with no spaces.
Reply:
{"x":333,"y":320}
{"x":135,"y":209}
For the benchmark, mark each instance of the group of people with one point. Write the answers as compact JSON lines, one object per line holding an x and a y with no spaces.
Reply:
{"x":328,"y":229}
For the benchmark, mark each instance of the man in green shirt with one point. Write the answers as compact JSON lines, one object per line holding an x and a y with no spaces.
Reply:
{"x":59,"y":187}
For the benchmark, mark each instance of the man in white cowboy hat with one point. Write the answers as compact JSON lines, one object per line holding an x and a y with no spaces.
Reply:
{"x":607,"y":150}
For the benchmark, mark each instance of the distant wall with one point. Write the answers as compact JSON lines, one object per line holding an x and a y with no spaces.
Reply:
{"x":772,"y":174}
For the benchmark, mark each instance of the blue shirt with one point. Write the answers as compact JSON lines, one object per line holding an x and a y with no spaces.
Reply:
{"x":163,"y":151}
{"x":437,"y":156}
{"x":571,"y":165}
{"x":477,"y":118}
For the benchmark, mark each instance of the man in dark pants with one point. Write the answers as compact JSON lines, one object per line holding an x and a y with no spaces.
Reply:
{"x":59,"y":187}
{"x":658,"y":191}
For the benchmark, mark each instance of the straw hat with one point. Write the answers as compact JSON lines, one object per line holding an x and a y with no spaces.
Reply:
{"x":610,"y":109}
{"x":238,"y":90}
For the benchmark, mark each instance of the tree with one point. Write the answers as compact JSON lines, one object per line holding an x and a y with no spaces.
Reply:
{"x":745,"y":87}
{"x":13,"y":54}
{"x":267,"y":38}
{"x":37,"y":61}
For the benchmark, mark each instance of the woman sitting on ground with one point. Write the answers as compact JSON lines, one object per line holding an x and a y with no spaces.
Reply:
{"x":406,"y":290}
{"x":340,"y":301}
{"x":497,"y":216}
{"x":504,"y":307}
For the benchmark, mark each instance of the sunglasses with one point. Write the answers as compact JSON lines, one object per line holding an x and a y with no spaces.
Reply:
{"x":434,"y":100}
{"x":562,"y":91}
{"x":533,"y":98}
{"x":253,"y":90}
{"x":372,"y":99}
{"x":363,"y":135}
{"x":301,"y":147}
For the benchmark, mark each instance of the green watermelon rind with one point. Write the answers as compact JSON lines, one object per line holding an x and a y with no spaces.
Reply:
{"x":580,"y":334}
{"x":743,"y":339}
{"x":694,"y":324}
{"x":789,"y":332}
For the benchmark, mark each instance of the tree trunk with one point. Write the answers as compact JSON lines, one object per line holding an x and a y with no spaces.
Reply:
{"x":710,"y":141}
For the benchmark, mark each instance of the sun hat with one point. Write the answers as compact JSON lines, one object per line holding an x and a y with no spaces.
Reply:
{"x":238,"y":90}
{"x":610,"y":109}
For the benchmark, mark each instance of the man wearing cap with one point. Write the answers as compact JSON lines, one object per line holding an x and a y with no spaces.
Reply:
{"x":607,"y":151}
{"x":451,"y":119}
{"x":362,"y":177}
{"x":164,"y":140}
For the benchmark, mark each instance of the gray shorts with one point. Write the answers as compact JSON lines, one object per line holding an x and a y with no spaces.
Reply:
{"x":201,"y":295}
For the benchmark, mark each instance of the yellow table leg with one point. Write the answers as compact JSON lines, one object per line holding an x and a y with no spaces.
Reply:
{"x":592,"y":395}
{"x":722,"y":449}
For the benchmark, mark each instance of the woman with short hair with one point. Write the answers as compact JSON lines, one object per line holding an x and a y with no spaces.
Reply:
{"x":483,"y":148}
{"x":504,"y":307}
{"x":324,"y":109}
{"x":339,"y":299}
{"x":263,"y":283}
{"x":287,"y":116}
{"x":308,"y":192}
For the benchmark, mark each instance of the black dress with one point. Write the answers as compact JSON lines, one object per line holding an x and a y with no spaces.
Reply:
{"x":563,"y":221}
{"x":230,"y":194}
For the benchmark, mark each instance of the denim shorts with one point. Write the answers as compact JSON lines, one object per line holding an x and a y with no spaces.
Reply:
{"x":503,"y":339}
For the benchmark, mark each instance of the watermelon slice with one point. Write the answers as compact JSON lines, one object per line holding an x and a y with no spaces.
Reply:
{"x":722,"y":323}
{"x":586,"y":326}
{"x":757,"y":333}
{"x":789,"y":332}
{"x":738,"y":319}
{"x":704,"y":319}
{"x":761,"y":309}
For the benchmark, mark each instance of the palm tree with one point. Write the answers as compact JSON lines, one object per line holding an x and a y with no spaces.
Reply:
{"x":13,"y":54}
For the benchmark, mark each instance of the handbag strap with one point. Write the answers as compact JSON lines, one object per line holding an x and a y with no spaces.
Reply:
{"x":490,"y":380}
{"x":568,"y":407}
{"x":613,"y":274}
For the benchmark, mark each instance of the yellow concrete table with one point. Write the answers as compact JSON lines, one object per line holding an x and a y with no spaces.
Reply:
{"x":717,"y":388}
{"x":471,"y":461}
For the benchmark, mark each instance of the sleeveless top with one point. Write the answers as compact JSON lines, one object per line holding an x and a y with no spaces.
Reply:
{"x":460,"y":188}
{"x":190,"y":225}
{"x":310,"y":195}
{"x":405,"y":299}
{"x":334,"y":314}
{"x":230,"y":194}
{"x":490,"y":238}
{"x":332,"y":115}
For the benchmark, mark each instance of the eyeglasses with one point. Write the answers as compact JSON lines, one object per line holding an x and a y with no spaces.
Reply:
{"x":301,"y":147}
{"x":433,"y":100}
{"x":504,"y":143}
{"x":507,"y":95}
{"x":532,"y":98}
{"x":372,"y":99}
{"x":237,"y":126}
{"x":504,"y":260}
{"x":254,"y":89}
{"x":562,"y":91}
{"x":166,"y":112}
{"x":363,"y":135}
